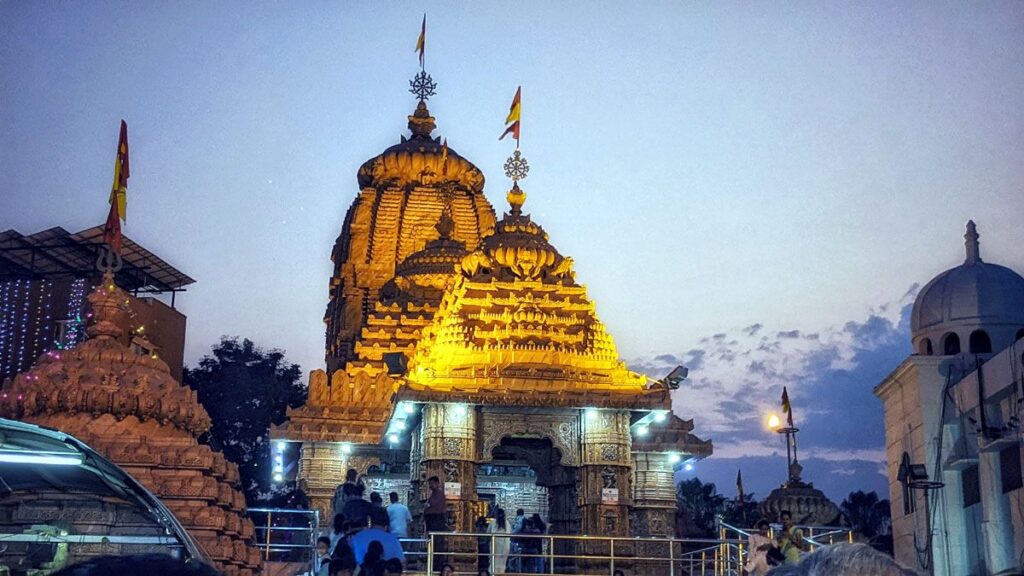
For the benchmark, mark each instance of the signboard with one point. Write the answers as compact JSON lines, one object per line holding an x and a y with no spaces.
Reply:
{"x":452,"y":490}
{"x":609,"y":496}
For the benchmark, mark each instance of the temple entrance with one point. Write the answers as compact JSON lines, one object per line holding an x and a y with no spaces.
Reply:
{"x":530,"y":475}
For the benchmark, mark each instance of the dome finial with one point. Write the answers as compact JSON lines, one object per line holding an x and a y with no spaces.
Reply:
{"x":971,"y":243}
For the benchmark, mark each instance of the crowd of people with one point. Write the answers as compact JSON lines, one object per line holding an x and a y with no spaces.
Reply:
{"x":513,"y":546}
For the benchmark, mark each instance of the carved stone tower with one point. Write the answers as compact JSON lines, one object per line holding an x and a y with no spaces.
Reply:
{"x":403,"y":192}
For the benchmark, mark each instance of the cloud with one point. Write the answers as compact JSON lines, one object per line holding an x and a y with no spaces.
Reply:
{"x":736,"y":380}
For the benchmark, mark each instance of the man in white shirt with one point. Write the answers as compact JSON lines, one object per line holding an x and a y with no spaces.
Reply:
{"x":398,"y":516}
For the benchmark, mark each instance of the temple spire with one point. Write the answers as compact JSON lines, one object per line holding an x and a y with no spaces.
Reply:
{"x":971,"y":244}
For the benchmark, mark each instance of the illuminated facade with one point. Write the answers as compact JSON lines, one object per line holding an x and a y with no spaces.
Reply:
{"x":463,"y":347}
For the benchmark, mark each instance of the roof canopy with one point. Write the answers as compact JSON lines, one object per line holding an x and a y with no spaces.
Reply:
{"x":55,"y":253}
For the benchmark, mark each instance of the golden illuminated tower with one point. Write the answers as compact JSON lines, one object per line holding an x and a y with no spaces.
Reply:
{"x":403,"y":191}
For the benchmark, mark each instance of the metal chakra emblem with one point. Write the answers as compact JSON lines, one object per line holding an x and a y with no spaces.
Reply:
{"x":422,"y":86}
{"x":516,"y":167}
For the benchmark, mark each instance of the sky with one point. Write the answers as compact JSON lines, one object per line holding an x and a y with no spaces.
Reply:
{"x":752,"y":189}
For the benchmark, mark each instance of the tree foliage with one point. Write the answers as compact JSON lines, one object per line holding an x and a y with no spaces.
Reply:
{"x":867,"y":514}
{"x":698,"y":505}
{"x":245,"y":389}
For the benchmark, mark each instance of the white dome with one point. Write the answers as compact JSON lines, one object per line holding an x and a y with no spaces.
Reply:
{"x":975,"y":296}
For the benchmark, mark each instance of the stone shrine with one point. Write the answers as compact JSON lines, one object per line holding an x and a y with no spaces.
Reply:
{"x":129,"y":408}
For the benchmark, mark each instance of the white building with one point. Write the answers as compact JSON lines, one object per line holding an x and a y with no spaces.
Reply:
{"x":955,"y":462}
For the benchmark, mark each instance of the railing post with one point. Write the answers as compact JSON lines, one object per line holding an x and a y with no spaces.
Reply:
{"x":266,"y":552}
{"x":671,"y":558}
{"x":430,"y":553}
{"x":551,"y":555}
{"x":611,"y":553}
{"x":703,"y":562}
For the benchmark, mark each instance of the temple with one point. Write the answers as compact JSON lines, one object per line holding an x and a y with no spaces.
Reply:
{"x":462,"y":347}
{"x":126,"y":405}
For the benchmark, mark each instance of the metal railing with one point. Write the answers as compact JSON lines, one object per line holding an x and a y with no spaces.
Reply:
{"x":580,"y":555}
{"x":285,"y":535}
{"x":596,"y":555}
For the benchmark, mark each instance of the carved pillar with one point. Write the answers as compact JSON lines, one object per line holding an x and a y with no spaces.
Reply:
{"x":605,"y":493}
{"x":449,"y":452}
{"x":654,"y":495}
{"x":323,"y":465}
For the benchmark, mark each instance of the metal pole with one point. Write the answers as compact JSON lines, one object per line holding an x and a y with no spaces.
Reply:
{"x":266,"y":552}
{"x":671,"y":558}
{"x":611,"y":553}
{"x":430,"y":553}
{"x":551,"y":555}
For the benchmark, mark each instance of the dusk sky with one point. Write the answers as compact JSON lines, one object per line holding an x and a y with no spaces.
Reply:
{"x":755,"y":190}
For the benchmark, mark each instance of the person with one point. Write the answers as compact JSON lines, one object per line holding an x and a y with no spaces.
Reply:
{"x":516,"y":544}
{"x":541,"y":528}
{"x":433,"y":516}
{"x":758,"y":544}
{"x":844,"y":560}
{"x":372,"y":563}
{"x":376,"y":500}
{"x":338,"y":530}
{"x":398,"y":517}
{"x":362,"y":540}
{"x":322,"y":562}
{"x":156,"y":564}
{"x":791,"y":539}
{"x":356,"y":509}
{"x":351,"y":480}
{"x":298,"y":499}
{"x":618,"y":573}
{"x":447,"y":570}
{"x":483,"y":544}
{"x":392,"y":567}
{"x":531,"y":547}
{"x":517,"y":524}
{"x":500,"y":546}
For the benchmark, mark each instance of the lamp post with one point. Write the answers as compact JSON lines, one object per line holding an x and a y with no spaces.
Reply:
{"x":793,"y":468}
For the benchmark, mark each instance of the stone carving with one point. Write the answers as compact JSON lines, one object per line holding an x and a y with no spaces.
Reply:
{"x":562,"y":430}
{"x":452,"y":447}
{"x":609,"y":478}
{"x":610,"y":452}
{"x":452,"y":473}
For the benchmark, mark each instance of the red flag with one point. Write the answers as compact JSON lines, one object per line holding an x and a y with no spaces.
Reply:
{"x":118,"y":193}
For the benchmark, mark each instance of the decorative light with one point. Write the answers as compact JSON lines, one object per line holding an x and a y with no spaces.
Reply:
{"x":460,"y":409}
{"x":773,"y":421}
{"x":346,"y":448}
{"x":400,"y":424}
{"x":642,"y":430}
{"x":41,"y":458}
{"x":660,"y":416}
{"x":278,"y":459}
{"x":591,"y":413}
{"x":281,"y":445}
{"x":393,"y":438}
{"x":408,"y":408}
{"x":278,"y":468}
{"x":688,"y":467}
{"x":674,"y":458}
{"x":278,"y":477}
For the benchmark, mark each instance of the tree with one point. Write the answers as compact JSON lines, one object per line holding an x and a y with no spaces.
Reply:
{"x":867,"y":515}
{"x":698,"y":504}
{"x":246,"y":389}
{"x":741,"y":516}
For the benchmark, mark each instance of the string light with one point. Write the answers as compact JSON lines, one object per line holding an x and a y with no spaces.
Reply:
{"x":5,"y":323}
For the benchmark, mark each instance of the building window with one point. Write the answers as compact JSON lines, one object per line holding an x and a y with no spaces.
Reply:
{"x":925,"y":347}
{"x":950,"y":344}
{"x":980,"y":343}
{"x":971,"y":486}
{"x":1009,"y":468}
{"x":909,"y":502}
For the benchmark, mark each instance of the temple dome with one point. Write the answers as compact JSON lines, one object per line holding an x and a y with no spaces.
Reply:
{"x":420,"y":161}
{"x":519,"y":248}
{"x":435,"y":265}
{"x":974,"y":307}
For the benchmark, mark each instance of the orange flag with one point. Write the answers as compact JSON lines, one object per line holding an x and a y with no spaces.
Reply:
{"x":421,"y":42}
{"x":118,"y":193}
{"x":512,"y":120}
{"x":787,"y":407}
